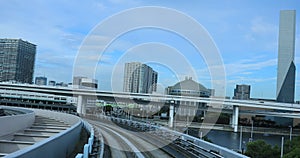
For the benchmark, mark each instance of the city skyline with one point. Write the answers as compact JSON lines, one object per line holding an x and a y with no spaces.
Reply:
{"x":247,"y":39}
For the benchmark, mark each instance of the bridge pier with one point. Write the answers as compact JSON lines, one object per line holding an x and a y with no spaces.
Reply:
{"x":80,"y":105}
{"x":235,"y":118}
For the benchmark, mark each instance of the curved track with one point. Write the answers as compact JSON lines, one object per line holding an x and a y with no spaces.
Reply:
{"x":120,"y":142}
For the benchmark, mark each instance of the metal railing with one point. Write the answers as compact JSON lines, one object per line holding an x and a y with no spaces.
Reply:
{"x":88,"y":148}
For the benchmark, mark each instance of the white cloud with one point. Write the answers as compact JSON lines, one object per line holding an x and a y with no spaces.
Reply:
{"x":249,"y":80}
{"x":259,"y":25}
{"x":262,"y":35}
{"x":246,"y":66}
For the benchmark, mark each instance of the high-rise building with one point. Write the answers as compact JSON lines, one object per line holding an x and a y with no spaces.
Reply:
{"x":154,"y":81}
{"x":286,"y":51}
{"x":17,"y":59}
{"x":242,"y":92}
{"x":41,"y":80}
{"x":139,"y":78}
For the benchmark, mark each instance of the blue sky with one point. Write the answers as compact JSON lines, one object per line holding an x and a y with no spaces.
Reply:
{"x":245,"y":32}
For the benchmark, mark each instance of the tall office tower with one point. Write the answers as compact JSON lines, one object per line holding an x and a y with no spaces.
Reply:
{"x":242,"y":92}
{"x":286,"y":51}
{"x":41,"y":81}
{"x":139,"y":78}
{"x":16,"y":60}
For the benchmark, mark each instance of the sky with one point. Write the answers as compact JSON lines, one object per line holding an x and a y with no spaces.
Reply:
{"x":244,"y":32}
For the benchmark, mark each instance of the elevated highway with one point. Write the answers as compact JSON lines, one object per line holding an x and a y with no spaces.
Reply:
{"x":291,"y":110}
{"x":214,"y":102}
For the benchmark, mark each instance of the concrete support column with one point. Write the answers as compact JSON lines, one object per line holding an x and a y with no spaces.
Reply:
{"x":235,"y":118}
{"x":80,"y":105}
{"x":171,"y":115}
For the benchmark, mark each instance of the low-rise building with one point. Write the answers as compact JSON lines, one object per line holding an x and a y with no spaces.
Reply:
{"x":242,"y":92}
{"x":41,"y":81}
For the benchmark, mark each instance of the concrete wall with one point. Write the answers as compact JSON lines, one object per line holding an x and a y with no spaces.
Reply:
{"x":15,"y":123}
{"x":59,"y":145}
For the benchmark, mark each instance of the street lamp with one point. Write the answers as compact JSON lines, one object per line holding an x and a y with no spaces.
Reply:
{"x":171,"y":113}
{"x":251,"y":135}
{"x":281,"y":150}
{"x":187,"y":124}
{"x":175,"y":110}
{"x":241,"y":137}
{"x":291,"y":130}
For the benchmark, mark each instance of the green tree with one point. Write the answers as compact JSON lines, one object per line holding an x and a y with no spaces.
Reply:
{"x":295,"y":153}
{"x":292,"y":148}
{"x":260,"y":149}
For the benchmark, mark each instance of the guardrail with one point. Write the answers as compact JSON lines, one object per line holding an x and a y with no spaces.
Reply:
{"x":88,"y":148}
{"x":101,"y":141}
{"x":193,"y":145}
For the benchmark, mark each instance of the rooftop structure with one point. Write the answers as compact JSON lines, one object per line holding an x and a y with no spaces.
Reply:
{"x":188,"y":87}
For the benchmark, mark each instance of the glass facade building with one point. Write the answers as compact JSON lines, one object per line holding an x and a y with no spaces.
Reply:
{"x":17,"y":59}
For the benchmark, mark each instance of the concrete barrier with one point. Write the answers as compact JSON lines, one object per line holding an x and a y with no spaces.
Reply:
{"x":14,"y":123}
{"x":59,"y":145}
